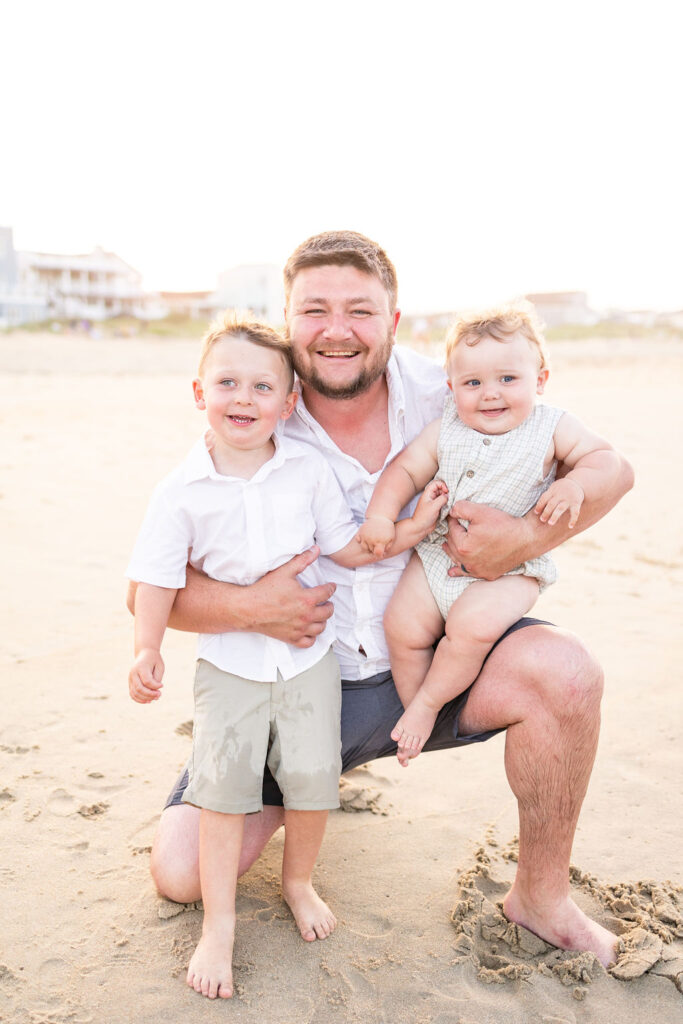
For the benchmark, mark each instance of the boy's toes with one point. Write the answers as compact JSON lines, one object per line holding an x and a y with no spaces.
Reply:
{"x":396,"y":733}
{"x":326,"y":926}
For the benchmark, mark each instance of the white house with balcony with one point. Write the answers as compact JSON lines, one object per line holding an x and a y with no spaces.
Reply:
{"x":90,"y":286}
{"x":36,"y":286}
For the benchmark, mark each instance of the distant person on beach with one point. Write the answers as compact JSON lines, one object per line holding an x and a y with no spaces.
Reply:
{"x":496,"y":446}
{"x":244,"y":502}
{"x":362,"y":400}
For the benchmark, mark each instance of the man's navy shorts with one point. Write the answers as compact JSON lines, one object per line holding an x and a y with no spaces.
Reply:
{"x":370,"y":710}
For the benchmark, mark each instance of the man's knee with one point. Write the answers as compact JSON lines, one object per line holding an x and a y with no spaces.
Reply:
{"x":174,"y":860}
{"x":561,"y":669}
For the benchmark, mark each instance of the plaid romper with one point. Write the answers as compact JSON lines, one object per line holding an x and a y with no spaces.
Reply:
{"x":504,"y":471}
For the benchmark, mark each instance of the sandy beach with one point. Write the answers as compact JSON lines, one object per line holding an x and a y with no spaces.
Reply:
{"x":415,"y":862}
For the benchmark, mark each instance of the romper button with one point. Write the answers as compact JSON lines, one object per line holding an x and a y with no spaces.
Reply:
{"x":487,"y":440}
{"x":470,"y":473}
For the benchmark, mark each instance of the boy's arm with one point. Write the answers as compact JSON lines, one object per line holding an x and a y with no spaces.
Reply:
{"x":152,"y":607}
{"x":276,"y":605}
{"x":495,"y":542}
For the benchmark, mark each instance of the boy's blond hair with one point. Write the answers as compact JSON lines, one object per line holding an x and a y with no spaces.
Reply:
{"x":343,"y":249}
{"x":500,"y":323}
{"x":233,"y":324}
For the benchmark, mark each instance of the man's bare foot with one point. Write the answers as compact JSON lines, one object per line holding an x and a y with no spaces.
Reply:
{"x":413,"y":729}
{"x":563,"y":925}
{"x":314,"y":918}
{"x":210,"y":970}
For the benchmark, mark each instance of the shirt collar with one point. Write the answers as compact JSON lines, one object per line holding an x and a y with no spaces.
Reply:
{"x":199,"y":464}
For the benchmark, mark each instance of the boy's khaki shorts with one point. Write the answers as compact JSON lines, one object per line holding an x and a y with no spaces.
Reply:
{"x":241,"y":725}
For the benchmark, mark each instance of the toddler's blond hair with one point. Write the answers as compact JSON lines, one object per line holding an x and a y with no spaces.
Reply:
{"x":500,"y":323}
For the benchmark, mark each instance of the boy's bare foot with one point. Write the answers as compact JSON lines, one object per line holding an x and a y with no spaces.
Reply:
{"x":314,"y":918}
{"x":210,"y":970}
{"x":563,"y":925}
{"x":413,"y":729}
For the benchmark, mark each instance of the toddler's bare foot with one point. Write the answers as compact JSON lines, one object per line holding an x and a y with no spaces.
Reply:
{"x":314,"y":918}
{"x":413,"y":729}
{"x":210,"y":970}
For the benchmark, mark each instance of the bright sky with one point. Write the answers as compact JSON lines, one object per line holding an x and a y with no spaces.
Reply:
{"x":492,"y":148}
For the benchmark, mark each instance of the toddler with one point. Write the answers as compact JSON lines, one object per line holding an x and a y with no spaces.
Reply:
{"x":495,"y":446}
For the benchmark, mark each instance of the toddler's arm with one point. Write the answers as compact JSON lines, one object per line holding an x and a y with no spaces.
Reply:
{"x":406,"y":533}
{"x":593,"y":468}
{"x":404,"y":477}
{"x":152,"y":608}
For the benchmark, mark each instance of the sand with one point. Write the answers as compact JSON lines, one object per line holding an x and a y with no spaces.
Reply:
{"x":416,"y":864}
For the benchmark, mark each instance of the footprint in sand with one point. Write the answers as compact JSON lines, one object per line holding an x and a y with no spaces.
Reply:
{"x":61,"y":803}
{"x":380,"y":926}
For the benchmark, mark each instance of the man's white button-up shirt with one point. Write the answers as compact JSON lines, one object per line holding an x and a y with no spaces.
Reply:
{"x":237,"y":530}
{"x":417,"y":390}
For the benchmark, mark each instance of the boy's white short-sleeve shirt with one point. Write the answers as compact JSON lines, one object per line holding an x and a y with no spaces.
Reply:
{"x":237,"y":530}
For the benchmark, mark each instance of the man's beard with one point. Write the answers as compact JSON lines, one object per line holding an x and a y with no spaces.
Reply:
{"x":370,"y":373}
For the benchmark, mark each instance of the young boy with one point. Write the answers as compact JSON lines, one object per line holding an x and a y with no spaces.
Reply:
{"x":492,"y":445}
{"x":245,"y":501}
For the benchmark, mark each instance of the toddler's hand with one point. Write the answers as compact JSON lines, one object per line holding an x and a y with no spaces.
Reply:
{"x":432,"y":500}
{"x":144,"y":679}
{"x":376,"y":535}
{"x":562,"y":496}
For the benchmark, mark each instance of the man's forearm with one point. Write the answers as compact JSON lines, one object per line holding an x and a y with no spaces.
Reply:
{"x":495,"y":543}
{"x":205,"y":605}
{"x":277,"y":605}
{"x":542,"y":538}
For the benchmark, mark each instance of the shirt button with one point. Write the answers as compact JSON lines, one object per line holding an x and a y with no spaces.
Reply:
{"x":470,"y":473}
{"x":487,"y":440}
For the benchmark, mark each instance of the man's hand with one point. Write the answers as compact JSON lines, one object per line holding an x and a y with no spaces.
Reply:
{"x":277,"y":605}
{"x":284,"y":609}
{"x":493,"y":544}
{"x":144,"y":679}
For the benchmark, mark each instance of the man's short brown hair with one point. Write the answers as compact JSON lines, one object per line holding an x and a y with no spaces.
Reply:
{"x":235,"y":325}
{"x":343,"y":249}
{"x":500,"y":323}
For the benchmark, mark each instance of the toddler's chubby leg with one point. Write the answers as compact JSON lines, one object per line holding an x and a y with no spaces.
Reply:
{"x":304,"y":832}
{"x":412,"y":625}
{"x":220,"y":843}
{"x":475,"y":621}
